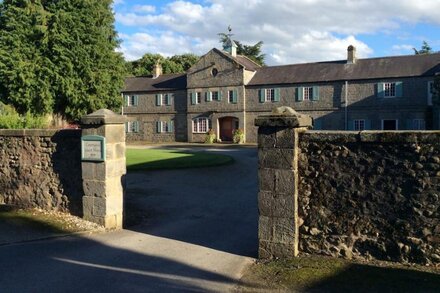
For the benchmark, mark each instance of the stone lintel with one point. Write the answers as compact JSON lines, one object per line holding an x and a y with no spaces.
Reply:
{"x":103,"y":116}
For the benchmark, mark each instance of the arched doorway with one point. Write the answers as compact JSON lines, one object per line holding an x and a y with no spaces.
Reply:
{"x":227,"y":125}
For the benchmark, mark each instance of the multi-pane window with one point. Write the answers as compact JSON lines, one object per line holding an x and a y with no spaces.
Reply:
{"x":231,"y":96}
{"x":198,"y":97}
{"x":201,"y":125}
{"x":389,"y":89}
{"x":419,"y":124}
{"x":308,"y":93}
{"x":132,"y":126}
{"x":270,"y":95}
{"x":215,"y":96}
{"x":359,"y":124}
{"x":131,"y":100}
{"x":163,"y":99}
{"x":164,"y":126}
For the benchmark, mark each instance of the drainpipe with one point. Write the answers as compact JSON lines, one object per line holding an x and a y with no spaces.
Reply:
{"x":345,"y":104}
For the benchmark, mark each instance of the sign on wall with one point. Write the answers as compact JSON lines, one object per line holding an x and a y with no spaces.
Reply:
{"x":93,"y":148}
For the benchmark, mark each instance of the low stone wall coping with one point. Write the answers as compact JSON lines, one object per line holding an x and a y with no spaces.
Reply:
{"x":39,"y":132}
{"x":103,"y":116}
{"x":379,"y":136}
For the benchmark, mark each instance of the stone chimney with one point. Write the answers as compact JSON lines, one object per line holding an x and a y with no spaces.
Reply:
{"x":157,"y":70}
{"x":351,"y":55}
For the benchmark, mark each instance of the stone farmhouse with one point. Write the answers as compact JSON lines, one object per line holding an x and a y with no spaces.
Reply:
{"x":224,"y":91}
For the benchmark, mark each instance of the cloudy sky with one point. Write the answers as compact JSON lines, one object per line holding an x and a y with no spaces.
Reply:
{"x":293,"y":31}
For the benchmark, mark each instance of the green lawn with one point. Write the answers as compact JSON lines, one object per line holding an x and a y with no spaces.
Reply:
{"x":153,"y":159}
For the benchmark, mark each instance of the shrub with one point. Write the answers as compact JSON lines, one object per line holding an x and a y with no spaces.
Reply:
{"x":210,"y":136}
{"x":238,"y":135}
{"x":10,"y":119}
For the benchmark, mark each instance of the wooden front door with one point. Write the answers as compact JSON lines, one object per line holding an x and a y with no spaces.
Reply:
{"x":227,"y":126}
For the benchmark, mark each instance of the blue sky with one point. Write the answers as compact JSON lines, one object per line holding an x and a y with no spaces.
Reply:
{"x":293,"y":31}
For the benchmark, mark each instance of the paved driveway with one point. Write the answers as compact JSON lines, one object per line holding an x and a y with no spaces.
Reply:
{"x":199,"y":233}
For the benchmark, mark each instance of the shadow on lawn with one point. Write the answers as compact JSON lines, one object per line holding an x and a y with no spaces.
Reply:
{"x":368,"y":278}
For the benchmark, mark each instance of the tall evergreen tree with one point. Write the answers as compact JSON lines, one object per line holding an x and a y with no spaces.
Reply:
{"x":59,"y":56}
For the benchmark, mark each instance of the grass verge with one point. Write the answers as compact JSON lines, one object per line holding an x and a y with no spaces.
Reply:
{"x":154,"y":159}
{"x":324,"y":274}
{"x":19,"y":225}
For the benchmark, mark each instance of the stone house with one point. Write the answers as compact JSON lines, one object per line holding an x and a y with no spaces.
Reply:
{"x":224,"y":91}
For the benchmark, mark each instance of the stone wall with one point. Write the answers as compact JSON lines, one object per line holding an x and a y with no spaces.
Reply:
{"x":41,"y":168}
{"x":370,"y":194}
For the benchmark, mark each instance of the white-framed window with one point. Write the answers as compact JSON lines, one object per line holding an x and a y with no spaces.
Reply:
{"x":389,"y":89}
{"x":131,"y":100}
{"x":430,"y":92}
{"x":359,"y":124}
{"x":418,"y":124}
{"x":165,"y":126}
{"x":390,"y":124}
{"x":132,"y":126}
{"x":215,"y":96}
{"x":269,"y":95}
{"x":307,"y":93}
{"x":201,"y":125}
{"x":163,"y":99}
{"x":198,"y":97}
{"x":230,"y":96}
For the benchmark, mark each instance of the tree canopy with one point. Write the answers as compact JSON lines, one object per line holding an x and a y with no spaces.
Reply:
{"x":174,"y":64}
{"x":425,"y":49}
{"x":253,"y":52}
{"x":58,"y":56}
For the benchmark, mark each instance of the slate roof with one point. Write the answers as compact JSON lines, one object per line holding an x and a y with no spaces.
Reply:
{"x":165,"y":82}
{"x":372,"y":68}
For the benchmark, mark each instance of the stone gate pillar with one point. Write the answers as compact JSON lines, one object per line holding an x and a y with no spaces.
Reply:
{"x":103,"y":167}
{"x":278,"y":181}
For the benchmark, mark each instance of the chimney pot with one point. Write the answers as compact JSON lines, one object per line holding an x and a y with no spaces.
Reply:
{"x":157,"y":70}
{"x":351,"y":55}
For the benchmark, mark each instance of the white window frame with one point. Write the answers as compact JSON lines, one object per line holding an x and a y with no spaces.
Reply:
{"x":200,"y":125}
{"x":418,"y":124}
{"x":164,"y":126}
{"x":397,"y":123}
{"x":163,"y":99}
{"x":230,"y":96}
{"x":131,"y":100}
{"x":389,"y":90}
{"x":198,"y":98}
{"x":308,"y":93}
{"x":359,"y":124}
{"x":269,"y":95}
{"x":215,"y":95}
{"x":132,"y":127}
{"x":430,"y":92}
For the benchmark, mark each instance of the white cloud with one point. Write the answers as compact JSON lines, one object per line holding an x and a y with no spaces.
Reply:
{"x":144,"y":8}
{"x":292,"y":30}
{"x":403,"y":49}
{"x":118,"y":2}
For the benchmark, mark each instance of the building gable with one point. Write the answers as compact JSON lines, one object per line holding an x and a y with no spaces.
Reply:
{"x":215,"y":69}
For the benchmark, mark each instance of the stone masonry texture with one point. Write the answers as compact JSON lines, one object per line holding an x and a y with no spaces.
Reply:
{"x":371,"y":195}
{"x":41,"y":168}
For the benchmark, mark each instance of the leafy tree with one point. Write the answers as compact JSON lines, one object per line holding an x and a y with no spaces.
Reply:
{"x":174,"y":64}
{"x":59,"y":56}
{"x":426,"y":49}
{"x":185,"y":60}
{"x":253,"y":52}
